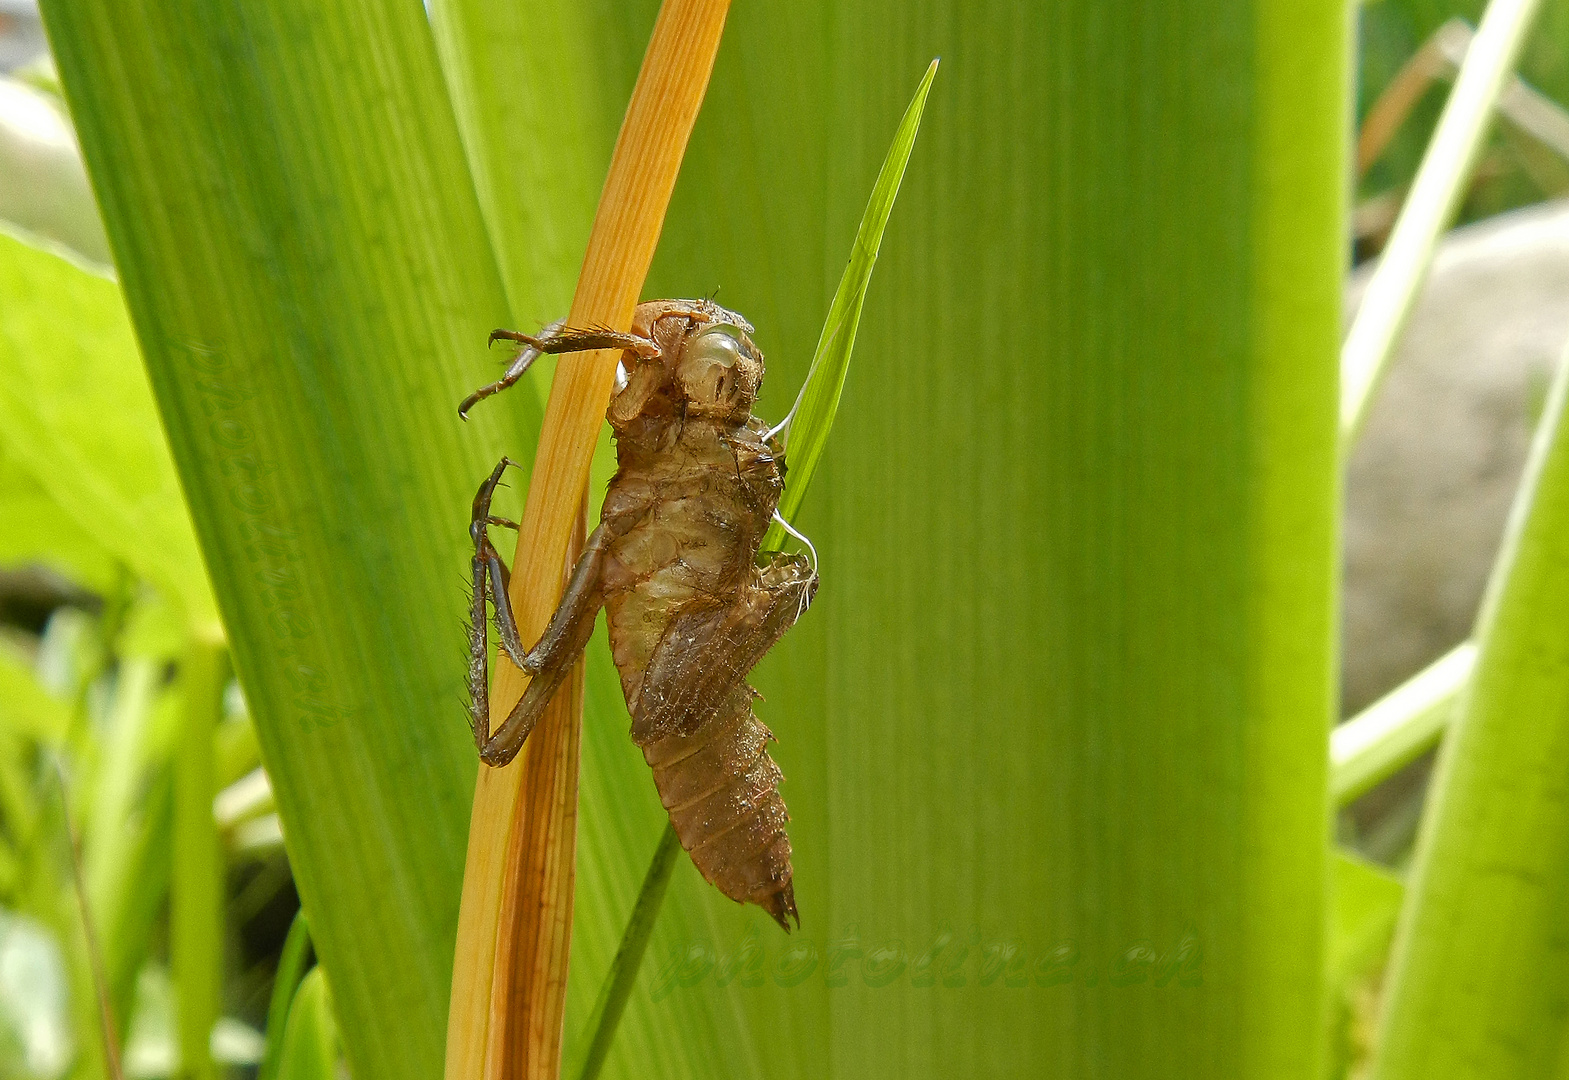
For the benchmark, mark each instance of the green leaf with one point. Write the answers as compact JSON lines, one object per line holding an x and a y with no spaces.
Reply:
{"x":310,"y":1046}
{"x":308,"y":274}
{"x":26,"y":708}
{"x":35,"y":530}
{"x":1478,"y":983}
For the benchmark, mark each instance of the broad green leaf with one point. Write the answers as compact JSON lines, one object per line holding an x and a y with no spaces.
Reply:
{"x":310,"y":281}
{"x":26,"y":708}
{"x":1065,"y":690}
{"x":1478,"y":984}
{"x":76,"y":413}
{"x":310,"y":1046}
{"x":35,"y":530}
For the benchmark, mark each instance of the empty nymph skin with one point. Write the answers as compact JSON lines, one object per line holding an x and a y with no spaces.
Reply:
{"x":674,"y":564}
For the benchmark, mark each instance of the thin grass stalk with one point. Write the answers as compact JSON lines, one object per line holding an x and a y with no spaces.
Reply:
{"x":1445,"y":169}
{"x":1388,"y":114}
{"x":1398,"y":728}
{"x":95,"y":956}
{"x":643,"y":171}
{"x":535,"y":927}
{"x":197,"y":886}
{"x":811,"y":418}
{"x":292,"y":961}
{"x":622,"y":976}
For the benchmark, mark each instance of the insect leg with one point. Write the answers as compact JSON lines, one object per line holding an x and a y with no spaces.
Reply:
{"x":557,"y":649}
{"x":555,"y":338}
{"x":519,"y":368}
{"x":558,"y":338}
{"x":484,"y":567}
{"x":491,"y":580}
{"x":552,"y":658}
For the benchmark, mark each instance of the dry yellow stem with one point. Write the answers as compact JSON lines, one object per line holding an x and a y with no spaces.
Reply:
{"x":481,"y":1024}
{"x":528,"y":996}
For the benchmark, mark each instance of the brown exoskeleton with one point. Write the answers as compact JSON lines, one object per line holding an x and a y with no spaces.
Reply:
{"x":673,"y":562}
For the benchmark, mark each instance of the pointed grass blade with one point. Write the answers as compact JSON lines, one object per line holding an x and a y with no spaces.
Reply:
{"x":812,"y":416}
{"x":1364,"y":903}
{"x":310,"y":1041}
{"x":98,"y":972}
{"x":600,"y":1030}
{"x":292,"y":961}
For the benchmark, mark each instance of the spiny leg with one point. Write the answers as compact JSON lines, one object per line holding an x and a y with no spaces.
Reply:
{"x":520,"y":365}
{"x":555,"y":338}
{"x":487,"y":569}
{"x":558,"y":648}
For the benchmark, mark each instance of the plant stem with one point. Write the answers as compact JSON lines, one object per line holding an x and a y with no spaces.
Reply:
{"x":622,"y":976}
{"x":95,"y":958}
{"x":1397,"y":728}
{"x":1445,"y":169}
{"x":643,"y":170}
{"x":197,"y":886}
{"x":292,"y":963}
{"x":1477,"y":985}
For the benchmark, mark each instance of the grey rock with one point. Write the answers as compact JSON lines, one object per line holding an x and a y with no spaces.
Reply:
{"x":1430,"y":482}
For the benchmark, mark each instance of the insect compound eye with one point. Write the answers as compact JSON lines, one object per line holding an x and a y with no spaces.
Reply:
{"x":709,"y":368}
{"x":719,"y":344}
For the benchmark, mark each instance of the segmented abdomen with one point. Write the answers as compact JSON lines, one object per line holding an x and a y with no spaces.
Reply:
{"x":722,"y":792}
